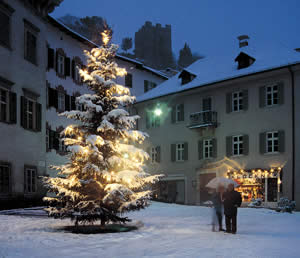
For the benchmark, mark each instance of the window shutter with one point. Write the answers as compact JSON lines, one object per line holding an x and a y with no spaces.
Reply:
{"x":67,"y":102}
{"x":12,"y":107}
{"x":173,"y":114}
{"x":181,"y":112}
{"x":186,"y":151}
{"x":229,"y":146}
{"x":38,"y":109}
{"x":245,"y":99}
{"x":228,"y":102}
{"x":4,"y":28}
{"x":25,"y":180}
{"x":262,"y":96}
{"x":214,"y":148}
{"x":67,"y":66}
{"x":51,"y":139}
{"x":147,"y":119}
{"x":246,"y":144}
{"x":262,"y":143}
{"x":200,"y":149}
{"x":73,"y":105}
{"x":23,"y":112}
{"x":56,"y":61}
{"x":73,"y":69}
{"x":53,"y":97}
{"x":281,"y":141}
{"x":145,"y":85}
{"x":56,"y":141}
{"x":157,"y":154}
{"x":50,"y":58}
{"x":281,"y":93}
{"x":173,"y":152}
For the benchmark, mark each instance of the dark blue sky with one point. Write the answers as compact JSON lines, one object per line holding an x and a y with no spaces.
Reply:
{"x":209,"y":26}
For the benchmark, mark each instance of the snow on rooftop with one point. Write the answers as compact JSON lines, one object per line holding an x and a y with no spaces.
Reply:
{"x":117,"y":55}
{"x":212,"y":69}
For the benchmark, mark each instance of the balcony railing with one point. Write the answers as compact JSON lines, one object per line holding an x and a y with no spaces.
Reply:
{"x":203,"y":119}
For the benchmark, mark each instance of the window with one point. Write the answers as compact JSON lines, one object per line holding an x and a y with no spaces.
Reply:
{"x":180,"y":152}
{"x":79,"y":106}
{"x":272,"y":95}
{"x":4,"y":29}
{"x":148,"y":85}
{"x":128,"y":80}
{"x":61,"y":101}
{"x":3,"y":105}
{"x":153,"y":155}
{"x":272,"y":142}
{"x":152,"y":120}
{"x":60,"y":64}
{"x":47,"y":139}
{"x":62,"y":147}
{"x":179,"y":113}
{"x":206,"y":104}
{"x":4,"y":177}
{"x":29,"y":114}
{"x":30,"y":180}
{"x":237,"y":145}
{"x":207,"y":149}
{"x":30,"y":46}
{"x":237,"y":101}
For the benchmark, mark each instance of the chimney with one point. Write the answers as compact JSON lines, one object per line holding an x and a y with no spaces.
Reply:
{"x":243,"y":40}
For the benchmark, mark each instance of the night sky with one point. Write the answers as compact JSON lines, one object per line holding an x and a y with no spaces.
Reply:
{"x":209,"y":26}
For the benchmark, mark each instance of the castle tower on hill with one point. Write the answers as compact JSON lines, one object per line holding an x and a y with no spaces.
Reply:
{"x":153,"y":45}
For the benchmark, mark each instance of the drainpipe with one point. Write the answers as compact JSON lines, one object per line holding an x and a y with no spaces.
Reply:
{"x":293,"y":132}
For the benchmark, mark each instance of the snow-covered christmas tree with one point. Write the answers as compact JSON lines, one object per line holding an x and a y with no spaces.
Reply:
{"x":105,"y":175}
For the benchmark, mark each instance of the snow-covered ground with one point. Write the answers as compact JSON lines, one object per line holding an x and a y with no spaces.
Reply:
{"x":169,"y":231}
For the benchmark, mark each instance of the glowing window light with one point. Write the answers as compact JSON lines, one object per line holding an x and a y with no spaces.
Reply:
{"x":126,"y":156}
{"x":157,"y":112}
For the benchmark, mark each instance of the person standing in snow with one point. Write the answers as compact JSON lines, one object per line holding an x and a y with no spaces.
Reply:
{"x":217,"y":200}
{"x":232,"y":200}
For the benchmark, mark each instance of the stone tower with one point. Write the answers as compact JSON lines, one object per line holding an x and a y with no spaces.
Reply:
{"x":153,"y":45}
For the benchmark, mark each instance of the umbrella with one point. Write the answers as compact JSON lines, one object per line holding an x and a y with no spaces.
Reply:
{"x":215,"y":182}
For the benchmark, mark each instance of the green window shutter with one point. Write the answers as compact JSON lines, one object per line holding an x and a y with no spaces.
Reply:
{"x":158,"y":154}
{"x":173,"y":115}
{"x":73,"y":105}
{"x":148,"y":150}
{"x":67,"y":66}
{"x":245,"y":99}
{"x":181,"y":112}
{"x":173,"y":152}
{"x":186,"y":151}
{"x":214,"y":148}
{"x":25,"y":180}
{"x":147,"y":119}
{"x":281,"y":93}
{"x":52,"y":97}
{"x":228,"y":102}
{"x":200,"y":149}
{"x":73,"y":69}
{"x":50,"y":58}
{"x":67,"y":102}
{"x":262,"y":96}
{"x":281,"y":141}
{"x":56,"y":141}
{"x":12,"y":107}
{"x":51,"y":139}
{"x":145,"y":85}
{"x":246,"y":144}
{"x":56,"y":61}
{"x":229,"y":146}
{"x":23,"y":112}
{"x":262,"y":143}
{"x":38,"y":116}
{"x":4,"y":28}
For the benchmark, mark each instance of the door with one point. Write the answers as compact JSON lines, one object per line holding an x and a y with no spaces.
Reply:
{"x":204,"y":179}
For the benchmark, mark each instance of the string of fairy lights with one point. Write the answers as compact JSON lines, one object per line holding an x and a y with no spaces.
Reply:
{"x":254,"y":173}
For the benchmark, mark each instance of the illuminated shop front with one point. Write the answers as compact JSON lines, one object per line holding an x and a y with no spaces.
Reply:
{"x":258,"y":183}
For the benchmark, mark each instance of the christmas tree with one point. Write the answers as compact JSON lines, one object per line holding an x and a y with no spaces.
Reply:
{"x":105,"y":175}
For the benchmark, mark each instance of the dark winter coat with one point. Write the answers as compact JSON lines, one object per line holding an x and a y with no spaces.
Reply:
{"x":217,"y":202}
{"x":232,"y":200}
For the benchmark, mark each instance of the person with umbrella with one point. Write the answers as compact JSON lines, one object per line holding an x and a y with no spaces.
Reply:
{"x":232,"y":200}
{"x":217,"y":200}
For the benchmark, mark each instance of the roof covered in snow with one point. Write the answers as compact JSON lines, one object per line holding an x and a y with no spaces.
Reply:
{"x":221,"y":67}
{"x":84,"y":40}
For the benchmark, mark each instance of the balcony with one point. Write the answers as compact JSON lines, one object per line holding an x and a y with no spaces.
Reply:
{"x":203,"y":119}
